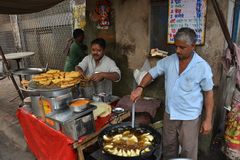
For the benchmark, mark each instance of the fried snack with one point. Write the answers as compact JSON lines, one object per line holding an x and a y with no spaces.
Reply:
{"x":72,"y":74}
{"x":61,"y":79}
{"x":128,"y":143}
{"x":47,"y":75}
{"x":67,"y":85}
{"x":56,"y":81}
{"x":38,"y":78}
{"x":68,"y":82}
{"x":45,"y":82}
{"x":25,"y":84}
{"x":53,"y":71}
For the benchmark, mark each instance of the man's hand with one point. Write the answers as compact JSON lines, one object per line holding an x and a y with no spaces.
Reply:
{"x":206,"y":127}
{"x":136,"y":94}
{"x":96,"y":77}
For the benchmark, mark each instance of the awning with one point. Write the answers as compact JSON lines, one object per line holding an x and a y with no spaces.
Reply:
{"x":25,"y":6}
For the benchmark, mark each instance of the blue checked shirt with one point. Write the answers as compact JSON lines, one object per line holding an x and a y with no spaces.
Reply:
{"x":184,"y":97}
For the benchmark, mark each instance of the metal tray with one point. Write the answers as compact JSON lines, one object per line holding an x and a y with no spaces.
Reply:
{"x":28,"y":71}
{"x":66,"y":115}
{"x":35,"y":86}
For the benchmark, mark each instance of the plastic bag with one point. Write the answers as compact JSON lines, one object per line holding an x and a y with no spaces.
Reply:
{"x":139,"y":74}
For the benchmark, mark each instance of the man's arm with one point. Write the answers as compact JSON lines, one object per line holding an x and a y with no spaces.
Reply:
{"x":206,"y":125}
{"x":113,"y":76}
{"x":79,"y":69}
{"x":147,"y":79}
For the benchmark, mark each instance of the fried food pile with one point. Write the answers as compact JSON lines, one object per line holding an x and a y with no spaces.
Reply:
{"x":59,"y":79}
{"x":25,"y":84}
{"x":128,"y":143}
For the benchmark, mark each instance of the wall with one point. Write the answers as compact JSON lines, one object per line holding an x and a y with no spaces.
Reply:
{"x":214,"y":46}
{"x":129,"y":40}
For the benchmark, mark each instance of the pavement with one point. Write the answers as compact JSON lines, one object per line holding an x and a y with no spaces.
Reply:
{"x":12,"y":142}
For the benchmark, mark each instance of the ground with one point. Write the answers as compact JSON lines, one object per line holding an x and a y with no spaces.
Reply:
{"x":12,"y":143}
{"x":9,"y":150}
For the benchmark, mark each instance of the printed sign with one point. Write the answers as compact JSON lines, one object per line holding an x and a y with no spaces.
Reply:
{"x":187,"y":13}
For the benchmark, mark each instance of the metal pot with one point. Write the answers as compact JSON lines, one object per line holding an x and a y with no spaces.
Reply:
{"x":114,"y":129}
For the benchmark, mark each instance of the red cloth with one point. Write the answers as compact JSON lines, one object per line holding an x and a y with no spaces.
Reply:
{"x":45,"y":142}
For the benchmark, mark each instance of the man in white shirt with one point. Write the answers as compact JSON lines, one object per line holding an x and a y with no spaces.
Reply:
{"x":100,"y":69}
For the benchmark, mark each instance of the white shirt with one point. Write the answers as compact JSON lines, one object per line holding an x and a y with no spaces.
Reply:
{"x":106,"y":64}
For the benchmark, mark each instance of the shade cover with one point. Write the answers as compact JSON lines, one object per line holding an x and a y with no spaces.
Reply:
{"x":25,"y":6}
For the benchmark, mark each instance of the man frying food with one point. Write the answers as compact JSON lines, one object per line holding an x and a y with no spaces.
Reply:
{"x":188,"y":87}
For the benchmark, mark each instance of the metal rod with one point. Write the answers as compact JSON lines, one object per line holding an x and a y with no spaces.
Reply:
{"x":133,"y":114}
{"x":11,"y":75}
{"x":224,"y":27}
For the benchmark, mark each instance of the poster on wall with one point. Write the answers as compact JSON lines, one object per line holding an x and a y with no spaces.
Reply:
{"x":79,"y":14}
{"x":187,"y":13}
{"x":103,"y":10}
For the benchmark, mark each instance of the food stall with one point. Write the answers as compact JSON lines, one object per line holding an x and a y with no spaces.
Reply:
{"x":50,"y":111}
{"x":57,"y":125}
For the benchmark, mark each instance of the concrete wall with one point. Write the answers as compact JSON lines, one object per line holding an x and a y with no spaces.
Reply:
{"x":129,"y":41}
{"x":214,"y":46}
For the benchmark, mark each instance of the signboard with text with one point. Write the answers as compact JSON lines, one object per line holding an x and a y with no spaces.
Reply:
{"x":187,"y":13}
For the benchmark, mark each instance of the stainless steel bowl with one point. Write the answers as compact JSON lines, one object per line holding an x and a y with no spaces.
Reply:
{"x":78,"y":108}
{"x":118,"y":110}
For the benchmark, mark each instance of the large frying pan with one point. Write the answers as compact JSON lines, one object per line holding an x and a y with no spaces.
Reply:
{"x":114,"y":129}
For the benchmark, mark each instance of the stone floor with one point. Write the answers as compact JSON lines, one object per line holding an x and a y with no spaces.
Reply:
{"x":12,"y":143}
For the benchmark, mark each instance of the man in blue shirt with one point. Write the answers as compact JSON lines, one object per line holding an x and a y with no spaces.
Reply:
{"x":188,"y":87}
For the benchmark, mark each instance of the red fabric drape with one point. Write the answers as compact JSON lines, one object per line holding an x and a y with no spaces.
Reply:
{"x":45,"y":142}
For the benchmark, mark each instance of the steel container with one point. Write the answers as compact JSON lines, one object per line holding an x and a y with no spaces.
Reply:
{"x":46,"y":92}
{"x":28,"y":72}
{"x":79,"y":108}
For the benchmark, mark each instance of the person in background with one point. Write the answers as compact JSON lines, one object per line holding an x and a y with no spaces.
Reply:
{"x":99,"y":68}
{"x":77,"y":50}
{"x":188,"y":86}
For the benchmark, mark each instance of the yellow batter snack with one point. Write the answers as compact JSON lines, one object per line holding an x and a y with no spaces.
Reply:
{"x":58,"y":78}
{"x":45,"y":82}
{"x":72,"y":74}
{"x":53,"y":71}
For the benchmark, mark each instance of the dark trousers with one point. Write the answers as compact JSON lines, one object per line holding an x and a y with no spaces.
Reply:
{"x":183,"y":133}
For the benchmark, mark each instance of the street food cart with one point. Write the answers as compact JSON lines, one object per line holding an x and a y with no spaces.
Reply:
{"x":56,"y":129}
{"x":58,"y":126}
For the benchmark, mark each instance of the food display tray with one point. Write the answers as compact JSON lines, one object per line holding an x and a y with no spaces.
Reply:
{"x":66,"y":115}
